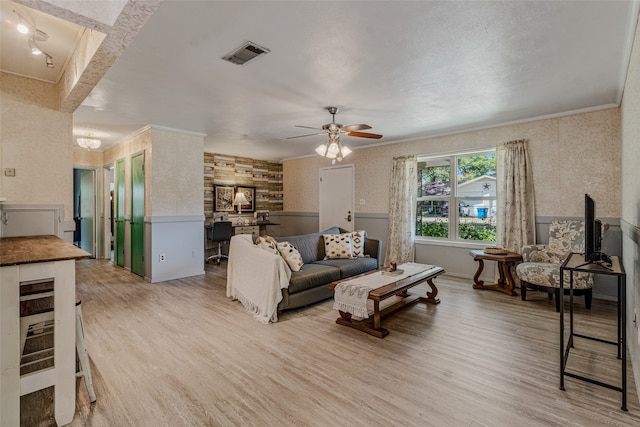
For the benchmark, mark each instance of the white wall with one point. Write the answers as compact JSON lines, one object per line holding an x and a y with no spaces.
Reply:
{"x":630,"y":223}
{"x":176,"y":221}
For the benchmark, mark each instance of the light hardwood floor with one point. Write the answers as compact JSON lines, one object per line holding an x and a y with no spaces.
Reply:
{"x":180,"y":353}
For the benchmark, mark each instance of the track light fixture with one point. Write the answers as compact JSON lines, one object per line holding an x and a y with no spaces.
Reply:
{"x":29,"y":29}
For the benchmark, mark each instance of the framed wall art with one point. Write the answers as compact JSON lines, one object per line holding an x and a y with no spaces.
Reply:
{"x":223,"y":198}
{"x":250,"y":194}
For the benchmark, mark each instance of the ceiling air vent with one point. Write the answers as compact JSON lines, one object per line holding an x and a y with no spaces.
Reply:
{"x":245,"y":53}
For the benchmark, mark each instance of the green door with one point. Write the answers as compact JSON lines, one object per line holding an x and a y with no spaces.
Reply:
{"x":119,"y":213}
{"x":137,"y":214}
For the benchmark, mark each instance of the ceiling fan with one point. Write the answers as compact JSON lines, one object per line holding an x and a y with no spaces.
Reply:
{"x":335,"y":129}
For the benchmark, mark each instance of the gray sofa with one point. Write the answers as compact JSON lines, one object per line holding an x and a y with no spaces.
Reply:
{"x":310,"y":284}
{"x":265,"y":285}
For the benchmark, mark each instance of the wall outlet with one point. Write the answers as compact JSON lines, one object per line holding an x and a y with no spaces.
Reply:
{"x":194,"y":253}
{"x":9,"y":172}
{"x":163,"y":257}
{"x":362,"y":201}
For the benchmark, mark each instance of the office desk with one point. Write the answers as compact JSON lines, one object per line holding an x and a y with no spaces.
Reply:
{"x":30,"y":260}
{"x":252,"y":227}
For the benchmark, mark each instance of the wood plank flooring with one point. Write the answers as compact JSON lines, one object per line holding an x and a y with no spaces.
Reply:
{"x":180,"y":353}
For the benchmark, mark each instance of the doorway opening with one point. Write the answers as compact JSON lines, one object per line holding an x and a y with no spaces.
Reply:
{"x":109,"y":225}
{"x":84,"y":209}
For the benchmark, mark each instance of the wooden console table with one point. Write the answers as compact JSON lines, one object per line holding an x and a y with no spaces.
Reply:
{"x":505,"y":284}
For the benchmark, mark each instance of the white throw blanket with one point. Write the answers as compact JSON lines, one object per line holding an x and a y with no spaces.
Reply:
{"x":256,"y":277}
{"x":351,"y":295}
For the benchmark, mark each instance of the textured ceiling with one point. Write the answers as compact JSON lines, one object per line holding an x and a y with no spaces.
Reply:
{"x":408,"y":69}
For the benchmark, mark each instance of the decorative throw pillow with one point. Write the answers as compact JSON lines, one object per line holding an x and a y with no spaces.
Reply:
{"x":357,"y":243}
{"x":337,"y":246}
{"x":290,"y":255}
{"x":268,"y":243}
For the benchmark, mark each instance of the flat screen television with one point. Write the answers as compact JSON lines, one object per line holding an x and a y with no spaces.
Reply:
{"x":592,"y":232}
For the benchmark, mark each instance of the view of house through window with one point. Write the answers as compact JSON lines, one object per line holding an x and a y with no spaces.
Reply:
{"x":466,"y":182}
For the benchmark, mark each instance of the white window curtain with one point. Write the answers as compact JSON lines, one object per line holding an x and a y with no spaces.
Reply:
{"x":516,"y":225}
{"x":402,"y":210}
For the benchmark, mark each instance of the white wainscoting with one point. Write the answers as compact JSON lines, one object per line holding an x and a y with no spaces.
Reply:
{"x":179,"y":239}
{"x":631,"y":261}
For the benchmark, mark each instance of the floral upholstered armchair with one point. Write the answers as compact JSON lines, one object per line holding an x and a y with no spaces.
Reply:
{"x":540,"y":268}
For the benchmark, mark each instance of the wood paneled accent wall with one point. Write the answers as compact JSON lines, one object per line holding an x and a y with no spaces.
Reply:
{"x":266,"y":176}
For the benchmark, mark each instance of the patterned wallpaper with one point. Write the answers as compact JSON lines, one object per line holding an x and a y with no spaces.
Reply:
{"x":266,"y":176}
{"x":176,"y":182}
{"x":570,"y":156}
{"x":35,"y":141}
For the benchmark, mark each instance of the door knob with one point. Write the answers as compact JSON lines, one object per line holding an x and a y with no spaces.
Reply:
{"x":348,"y":218}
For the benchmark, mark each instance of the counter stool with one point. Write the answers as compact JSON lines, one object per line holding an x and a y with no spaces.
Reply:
{"x":37,"y":321}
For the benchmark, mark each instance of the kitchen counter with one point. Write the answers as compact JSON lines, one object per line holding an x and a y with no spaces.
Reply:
{"x":30,"y":249}
{"x":27,"y":260}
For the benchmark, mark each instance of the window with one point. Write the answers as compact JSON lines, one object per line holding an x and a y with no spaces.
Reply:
{"x":466,"y":182}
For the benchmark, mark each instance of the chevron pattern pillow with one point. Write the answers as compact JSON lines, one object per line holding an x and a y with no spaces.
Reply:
{"x":357,"y":243}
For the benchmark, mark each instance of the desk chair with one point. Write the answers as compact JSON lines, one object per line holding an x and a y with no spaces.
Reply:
{"x":221,"y":231}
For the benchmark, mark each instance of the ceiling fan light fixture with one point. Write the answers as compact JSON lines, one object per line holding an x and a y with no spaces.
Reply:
{"x":333,"y":149}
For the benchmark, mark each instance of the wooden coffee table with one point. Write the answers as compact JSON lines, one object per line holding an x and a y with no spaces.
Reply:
{"x":398,"y":289}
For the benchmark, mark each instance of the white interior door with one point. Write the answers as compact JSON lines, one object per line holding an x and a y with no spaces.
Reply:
{"x":336,"y":197}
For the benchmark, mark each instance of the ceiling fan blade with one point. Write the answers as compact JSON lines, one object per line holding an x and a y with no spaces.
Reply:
{"x":351,"y":128}
{"x":307,"y":127}
{"x":309,"y":134}
{"x":365,"y":135}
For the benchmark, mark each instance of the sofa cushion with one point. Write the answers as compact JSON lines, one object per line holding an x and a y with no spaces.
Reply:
{"x":290,"y":255}
{"x":310,"y":246}
{"x":350,"y":267}
{"x":547,"y":274}
{"x":311,"y":276}
{"x":337,"y":246}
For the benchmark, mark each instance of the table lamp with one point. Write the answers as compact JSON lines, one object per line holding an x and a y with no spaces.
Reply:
{"x":240,"y":200}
